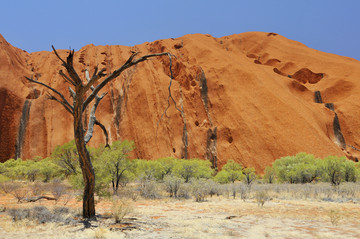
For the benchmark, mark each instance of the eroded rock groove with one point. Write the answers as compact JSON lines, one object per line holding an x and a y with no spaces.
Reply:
{"x":22,"y":129}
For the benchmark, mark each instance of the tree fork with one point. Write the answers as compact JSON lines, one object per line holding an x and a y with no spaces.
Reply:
{"x":80,"y":104}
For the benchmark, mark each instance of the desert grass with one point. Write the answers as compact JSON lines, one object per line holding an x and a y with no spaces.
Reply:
{"x":267,"y":211}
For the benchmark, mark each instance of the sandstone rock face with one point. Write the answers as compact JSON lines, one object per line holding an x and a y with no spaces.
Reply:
{"x":248,"y":97}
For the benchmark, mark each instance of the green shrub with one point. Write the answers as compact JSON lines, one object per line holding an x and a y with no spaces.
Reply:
{"x":167,"y":165}
{"x":230,"y":172}
{"x":350,"y":171}
{"x":192,"y":168}
{"x":48,"y":169}
{"x":4,"y":178}
{"x":249,"y":175}
{"x":301,"y":168}
{"x":113,"y":164}
{"x":15,"y":169}
{"x":66,"y":157}
{"x":222,"y":177}
{"x":333,"y":169}
{"x":270,"y":175}
{"x":148,"y":169}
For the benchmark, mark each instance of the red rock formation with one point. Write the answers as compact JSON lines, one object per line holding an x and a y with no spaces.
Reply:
{"x":259,"y":115}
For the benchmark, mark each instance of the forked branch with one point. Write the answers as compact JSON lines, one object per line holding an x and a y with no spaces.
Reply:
{"x":92,"y":119}
{"x":70,"y":110}
{"x":130,"y":62}
{"x":63,"y":101}
{"x":96,"y":76}
{"x":69,"y":66}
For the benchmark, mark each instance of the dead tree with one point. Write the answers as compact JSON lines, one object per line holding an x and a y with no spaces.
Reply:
{"x":95,"y":84}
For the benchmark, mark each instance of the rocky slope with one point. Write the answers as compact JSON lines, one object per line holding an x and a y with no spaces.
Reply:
{"x":251,"y":97}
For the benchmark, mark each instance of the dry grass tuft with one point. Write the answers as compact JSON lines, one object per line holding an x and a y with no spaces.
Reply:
{"x":120,"y":209}
{"x":335,"y":217}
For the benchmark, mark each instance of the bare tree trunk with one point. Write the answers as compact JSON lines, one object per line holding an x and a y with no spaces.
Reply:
{"x":84,"y":159}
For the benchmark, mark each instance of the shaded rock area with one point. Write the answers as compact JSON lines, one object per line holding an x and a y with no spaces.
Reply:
{"x":305,"y":75}
{"x":338,"y":134}
{"x":22,"y":129}
{"x":337,"y":131}
{"x":10,"y":108}
{"x":211,"y":152}
{"x":260,"y":85}
{"x":318,"y":98}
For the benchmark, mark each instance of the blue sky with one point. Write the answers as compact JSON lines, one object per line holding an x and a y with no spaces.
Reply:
{"x":326,"y":25}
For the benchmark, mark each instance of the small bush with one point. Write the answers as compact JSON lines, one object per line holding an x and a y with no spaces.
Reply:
{"x":244,"y":192}
{"x":129,"y":192}
{"x":184,"y":191}
{"x":8,"y":187}
{"x":61,"y":210}
{"x":18,"y":214}
{"x":149,"y":189}
{"x":172,"y":184}
{"x":57,"y":189}
{"x":348,"y":190}
{"x":200,"y":189}
{"x":261,"y":197}
{"x":335,"y":217}
{"x":214,"y":188}
{"x":40,"y":214}
{"x":225,"y":190}
{"x":37,"y":189}
{"x":19,"y":192}
{"x":120,"y":209}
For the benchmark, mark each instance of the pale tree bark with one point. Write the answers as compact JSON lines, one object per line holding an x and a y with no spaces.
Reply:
{"x":80,"y":103}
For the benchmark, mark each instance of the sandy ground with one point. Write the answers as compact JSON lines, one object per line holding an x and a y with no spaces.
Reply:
{"x":218,"y":217}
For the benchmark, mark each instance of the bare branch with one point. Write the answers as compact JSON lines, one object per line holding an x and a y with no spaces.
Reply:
{"x":130,"y":62}
{"x":95,"y":71}
{"x":63,"y":102}
{"x":87,"y":76}
{"x":66,"y":78}
{"x":64,"y":63}
{"x":105,"y":133}
{"x":72,"y":93}
{"x":34,"y":199}
{"x":94,"y":78}
{"x":92,"y":118}
{"x":70,"y":110}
